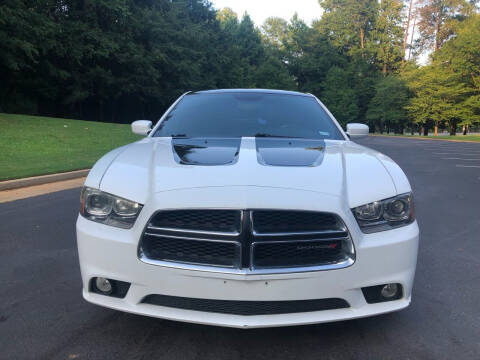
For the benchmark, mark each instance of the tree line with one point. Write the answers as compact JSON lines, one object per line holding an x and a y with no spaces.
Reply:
{"x":120,"y":60}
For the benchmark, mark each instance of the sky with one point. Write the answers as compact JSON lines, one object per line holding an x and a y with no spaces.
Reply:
{"x":259,"y":10}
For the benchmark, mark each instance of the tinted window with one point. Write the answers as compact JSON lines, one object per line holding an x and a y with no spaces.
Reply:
{"x":248,"y":114}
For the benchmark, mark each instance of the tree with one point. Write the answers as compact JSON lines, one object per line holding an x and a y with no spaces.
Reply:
{"x":437,"y":97}
{"x":448,"y":90}
{"x":25,"y":33}
{"x":387,"y":108}
{"x":460,"y":57}
{"x":348,"y":23}
{"x":117,"y":60}
{"x":387,"y":36}
{"x":275,"y":32}
{"x":339,"y":96}
{"x":227,"y":17}
{"x":407,"y":28}
{"x":438,"y":20}
{"x":349,"y":27}
{"x":272,"y":74}
{"x":309,"y":55}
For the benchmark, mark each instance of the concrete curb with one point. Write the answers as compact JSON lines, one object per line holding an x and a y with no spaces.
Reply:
{"x":44,"y":179}
{"x":424,"y":138}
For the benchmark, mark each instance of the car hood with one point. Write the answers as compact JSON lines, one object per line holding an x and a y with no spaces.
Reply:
{"x":335,"y":168}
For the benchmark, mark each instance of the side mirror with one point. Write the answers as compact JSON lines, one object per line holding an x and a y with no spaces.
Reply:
{"x":356,"y":131}
{"x":142,"y":127}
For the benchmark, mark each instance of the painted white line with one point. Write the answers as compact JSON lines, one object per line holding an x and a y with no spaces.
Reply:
{"x":459,"y":159}
{"x":457,"y":153}
{"x":445,"y":150}
{"x":451,"y":147}
{"x":468,"y":166}
{"x":440,"y":148}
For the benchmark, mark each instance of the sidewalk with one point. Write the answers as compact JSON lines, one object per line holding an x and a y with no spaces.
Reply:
{"x":43,"y":179}
{"x":29,"y":191}
{"x":38,"y":185}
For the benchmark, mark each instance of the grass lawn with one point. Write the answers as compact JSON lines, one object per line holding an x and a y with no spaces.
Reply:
{"x":35,"y":145}
{"x":458,"y":137}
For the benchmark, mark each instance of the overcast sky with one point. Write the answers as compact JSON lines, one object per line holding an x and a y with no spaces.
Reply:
{"x":259,"y":10}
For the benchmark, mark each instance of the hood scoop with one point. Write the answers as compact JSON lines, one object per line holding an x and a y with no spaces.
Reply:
{"x":289,"y":152}
{"x":206,"y":151}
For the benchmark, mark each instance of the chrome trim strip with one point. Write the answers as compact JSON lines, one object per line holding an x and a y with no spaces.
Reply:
{"x":189,"y":231}
{"x":221,"y":270}
{"x":300,"y":233}
{"x":191,"y":238}
{"x":346,"y":238}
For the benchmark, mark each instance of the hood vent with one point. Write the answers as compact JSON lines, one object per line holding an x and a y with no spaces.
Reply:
{"x":289,"y":152}
{"x":206,"y":151}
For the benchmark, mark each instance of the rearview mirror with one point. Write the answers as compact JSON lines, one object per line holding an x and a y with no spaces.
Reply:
{"x":355,"y":130}
{"x":142,"y":127}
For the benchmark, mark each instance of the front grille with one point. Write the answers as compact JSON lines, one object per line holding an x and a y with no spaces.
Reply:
{"x":283,"y":221}
{"x":297,"y":253}
{"x":252,"y":240}
{"x":246,"y":307}
{"x":199,"y":220}
{"x":191,"y":251}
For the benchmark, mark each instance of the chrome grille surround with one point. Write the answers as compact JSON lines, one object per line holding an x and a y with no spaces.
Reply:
{"x":255,"y":251}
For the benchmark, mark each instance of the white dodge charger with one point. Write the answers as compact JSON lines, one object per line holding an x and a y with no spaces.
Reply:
{"x":247,"y":208}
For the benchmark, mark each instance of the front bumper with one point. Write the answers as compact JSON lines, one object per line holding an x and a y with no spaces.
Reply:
{"x":385,"y":257}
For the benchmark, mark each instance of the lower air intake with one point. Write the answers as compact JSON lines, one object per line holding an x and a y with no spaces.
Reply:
{"x":246,"y":307}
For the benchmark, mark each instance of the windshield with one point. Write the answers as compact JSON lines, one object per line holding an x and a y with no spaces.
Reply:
{"x":227,"y":115}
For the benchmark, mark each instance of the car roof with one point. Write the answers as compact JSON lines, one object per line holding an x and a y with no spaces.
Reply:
{"x":254,"y":91}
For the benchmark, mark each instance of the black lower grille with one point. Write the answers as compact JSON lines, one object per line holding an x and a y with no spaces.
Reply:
{"x":246,"y":307}
{"x":297,"y":253}
{"x":194,"y":251}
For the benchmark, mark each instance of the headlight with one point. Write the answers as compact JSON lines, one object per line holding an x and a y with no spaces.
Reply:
{"x":108,"y":209}
{"x":385,"y":214}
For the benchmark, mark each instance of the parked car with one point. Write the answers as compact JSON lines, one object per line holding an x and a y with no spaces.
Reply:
{"x":247,"y":208}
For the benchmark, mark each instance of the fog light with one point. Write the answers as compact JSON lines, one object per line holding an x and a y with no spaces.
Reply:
{"x":108,"y":287}
{"x":381,"y":293}
{"x":389,"y":291}
{"x":104,"y":285}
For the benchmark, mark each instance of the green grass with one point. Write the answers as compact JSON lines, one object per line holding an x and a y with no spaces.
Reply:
{"x":458,"y":137}
{"x":35,"y":145}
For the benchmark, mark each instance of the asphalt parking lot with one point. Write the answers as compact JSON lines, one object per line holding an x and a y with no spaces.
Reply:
{"x":43,"y":315}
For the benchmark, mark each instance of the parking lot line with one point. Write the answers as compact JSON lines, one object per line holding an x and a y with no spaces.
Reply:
{"x":468,"y":166}
{"x":459,"y":159}
{"x":457,"y":153}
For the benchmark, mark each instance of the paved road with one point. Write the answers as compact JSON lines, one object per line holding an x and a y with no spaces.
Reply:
{"x":42,"y":314}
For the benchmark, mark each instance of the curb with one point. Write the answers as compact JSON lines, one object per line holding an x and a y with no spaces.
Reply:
{"x":43,"y":179}
{"x":424,"y":138}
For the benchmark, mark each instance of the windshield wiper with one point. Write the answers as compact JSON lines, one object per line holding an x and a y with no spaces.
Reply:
{"x":264,"y":135}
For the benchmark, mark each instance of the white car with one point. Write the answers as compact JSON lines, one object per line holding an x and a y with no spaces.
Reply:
{"x":247,"y":208}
